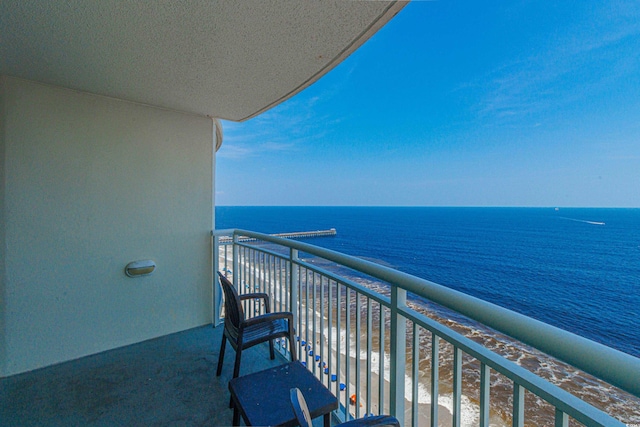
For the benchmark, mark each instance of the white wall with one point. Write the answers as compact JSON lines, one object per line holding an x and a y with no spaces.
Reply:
{"x":89,"y":184}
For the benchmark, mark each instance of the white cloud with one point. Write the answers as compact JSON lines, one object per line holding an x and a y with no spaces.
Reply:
{"x":285,"y":128}
{"x":566,"y":69}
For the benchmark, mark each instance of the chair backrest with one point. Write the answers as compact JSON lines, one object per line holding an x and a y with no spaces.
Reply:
{"x":303,"y":416}
{"x":232,"y":306}
{"x":300,"y":409}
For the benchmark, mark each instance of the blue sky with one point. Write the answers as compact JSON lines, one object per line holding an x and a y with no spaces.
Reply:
{"x":458,"y":104}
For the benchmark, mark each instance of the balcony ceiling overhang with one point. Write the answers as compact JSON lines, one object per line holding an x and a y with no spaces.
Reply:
{"x":226,"y":59}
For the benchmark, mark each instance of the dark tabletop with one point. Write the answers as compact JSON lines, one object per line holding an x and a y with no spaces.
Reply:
{"x":264,"y":398}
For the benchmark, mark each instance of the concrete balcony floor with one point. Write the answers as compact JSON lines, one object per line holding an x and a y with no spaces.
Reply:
{"x":165,"y":381}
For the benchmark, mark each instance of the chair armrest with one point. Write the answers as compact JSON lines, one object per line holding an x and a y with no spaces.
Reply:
{"x":375,"y":421}
{"x":268,"y":317}
{"x":258,"y":295}
{"x":264,"y":296}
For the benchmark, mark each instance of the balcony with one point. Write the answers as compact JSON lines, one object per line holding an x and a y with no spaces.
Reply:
{"x":354,"y":321}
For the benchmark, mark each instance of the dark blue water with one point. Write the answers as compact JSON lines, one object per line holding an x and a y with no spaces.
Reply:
{"x":578,"y":269}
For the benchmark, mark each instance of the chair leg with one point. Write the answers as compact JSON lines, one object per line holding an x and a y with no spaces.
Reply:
{"x":236,"y":368}
{"x":292,"y":349}
{"x":221,"y":356}
{"x":236,"y":371}
{"x":271,"y":351}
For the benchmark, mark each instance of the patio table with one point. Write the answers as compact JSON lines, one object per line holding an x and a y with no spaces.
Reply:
{"x":263,"y":398}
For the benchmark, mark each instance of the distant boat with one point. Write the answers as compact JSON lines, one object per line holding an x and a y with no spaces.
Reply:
{"x":583,"y":221}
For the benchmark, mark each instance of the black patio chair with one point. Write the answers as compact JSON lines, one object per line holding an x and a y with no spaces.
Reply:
{"x":304,"y":417}
{"x":243,"y":333}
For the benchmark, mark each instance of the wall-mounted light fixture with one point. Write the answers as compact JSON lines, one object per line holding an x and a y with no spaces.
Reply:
{"x":140,"y":268}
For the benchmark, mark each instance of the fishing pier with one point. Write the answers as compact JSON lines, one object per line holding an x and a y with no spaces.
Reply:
{"x":294,"y":235}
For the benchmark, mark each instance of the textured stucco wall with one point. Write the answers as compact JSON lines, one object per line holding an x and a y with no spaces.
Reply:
{"x":91,"y":183}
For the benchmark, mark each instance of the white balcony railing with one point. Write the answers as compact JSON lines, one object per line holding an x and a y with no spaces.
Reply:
{"x":363,"y":329}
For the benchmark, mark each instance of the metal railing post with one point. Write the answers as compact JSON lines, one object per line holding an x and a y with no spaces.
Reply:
{"x":215,"y":283}
{"x":236,"y":261}
{"x":398,"y":353}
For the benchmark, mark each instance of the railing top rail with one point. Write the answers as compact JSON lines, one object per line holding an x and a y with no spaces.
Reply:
{"x":615,"y":367}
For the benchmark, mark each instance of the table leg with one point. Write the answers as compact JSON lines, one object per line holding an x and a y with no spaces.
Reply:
{"x":327,"y":420}
{"x":236,"y":416}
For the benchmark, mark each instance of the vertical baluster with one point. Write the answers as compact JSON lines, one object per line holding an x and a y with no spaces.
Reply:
{"x":245,"y":270}
{"x":223,"y":256}
{"x":247,"y":264}
{"x":254,"y":270}
{"x":518,"y":405}
{"x":347,"y":349}
{"x":285,"y":284}
{"x":415,"y":374}
{"x":306,"y":315}
{"x":435,"y":377}
{"x":276,"y":283}
{"x":281,"y":284}
{"x":369,"y":351}
{"x":293,"y":290}
{"x":253,"y":255}
{"x":322,"y":336}
{"x":381,"y":409}
{"x":252,"y":279}
{"x":262,"y":270}
{"x":314,"y":313}
{"x":457,"y":386}
{"x":260,"y":280}
{"x":246,"y":260}
{"x":561,"y":419}
{"x":330,"y":349}
{"x":286,"y":291}
{"x":236,"y":261}
{"x":269,"y":280}
{"x":358,"y":336}
{"x":339,"y":332}
{"x":272,"y":282}
{"x":227,"y":249}
{"x":265,"y":272}
{"x":256,"y":281}
{"x":485,"y":390}
{"x":298,"y":305}
{"x":242,"y":273}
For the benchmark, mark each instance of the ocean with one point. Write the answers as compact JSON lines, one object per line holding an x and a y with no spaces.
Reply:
{"x":577,"y":269}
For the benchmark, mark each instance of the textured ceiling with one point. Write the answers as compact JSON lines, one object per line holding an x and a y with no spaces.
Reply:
{"x":228,"y":59}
